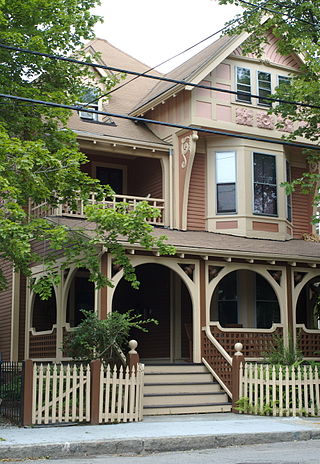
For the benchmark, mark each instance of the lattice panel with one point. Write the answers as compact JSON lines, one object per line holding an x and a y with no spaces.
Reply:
{"x":42,"y":346}
{"x":309,"y":343}
{"x":216,"y":360}
{"x":255,"y":344}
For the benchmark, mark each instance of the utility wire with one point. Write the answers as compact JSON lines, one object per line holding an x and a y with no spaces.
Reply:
{"x":270,"y":10}
{"x":163,"y":62}
{"x":160,"y":123}
{"x":152,"y":76}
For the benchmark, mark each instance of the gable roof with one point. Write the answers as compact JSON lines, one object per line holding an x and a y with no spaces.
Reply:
{"x":191,"y":68}
{"x":122,"y":99}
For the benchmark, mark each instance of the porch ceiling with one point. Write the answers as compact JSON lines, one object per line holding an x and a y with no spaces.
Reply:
{"x":214,"y":244}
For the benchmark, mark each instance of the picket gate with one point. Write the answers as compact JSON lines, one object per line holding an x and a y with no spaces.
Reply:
{"x":61,"y":393}
{"x":121,"y":393}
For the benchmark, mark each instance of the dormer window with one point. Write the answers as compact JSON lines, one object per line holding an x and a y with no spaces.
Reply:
{"x":244,"y":85}
{"x":89,"y":94}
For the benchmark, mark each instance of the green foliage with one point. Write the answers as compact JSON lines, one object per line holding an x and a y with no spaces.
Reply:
{"x":39,"y":156}
{"x":102,"y":339}
{"x":283,"y":354}
{"x":296,"y":25}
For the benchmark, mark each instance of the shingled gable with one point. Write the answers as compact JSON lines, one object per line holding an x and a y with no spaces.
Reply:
{"x":194,"y":70}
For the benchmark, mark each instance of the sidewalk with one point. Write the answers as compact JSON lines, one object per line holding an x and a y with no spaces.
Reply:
{"x":154,"y":434}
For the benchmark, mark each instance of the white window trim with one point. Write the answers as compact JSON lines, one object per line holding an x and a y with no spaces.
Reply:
{"x":228,"y":213}
{"x":252,"y":185}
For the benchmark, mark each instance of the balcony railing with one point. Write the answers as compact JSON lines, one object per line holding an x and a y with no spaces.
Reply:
{"x":43,"y":209}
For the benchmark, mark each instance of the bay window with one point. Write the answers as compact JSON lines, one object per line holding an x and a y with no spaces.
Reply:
{"x":226,"y":182}
{"x":264,"y":185}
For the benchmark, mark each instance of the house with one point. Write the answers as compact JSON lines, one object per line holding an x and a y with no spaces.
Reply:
{"x":246,"y":266}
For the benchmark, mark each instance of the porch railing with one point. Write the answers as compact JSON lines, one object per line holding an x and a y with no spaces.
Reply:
{"x":78,"y":211}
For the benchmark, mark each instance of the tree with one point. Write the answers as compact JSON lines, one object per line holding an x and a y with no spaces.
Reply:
{"x":296,"y":25}
{"x":39,"y":156}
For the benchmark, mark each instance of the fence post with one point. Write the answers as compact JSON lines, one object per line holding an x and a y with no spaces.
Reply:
{"x":133,"y":357}
{"x":27,"y":392}
{"x":95,"y":367}
{"x":237,"y":359}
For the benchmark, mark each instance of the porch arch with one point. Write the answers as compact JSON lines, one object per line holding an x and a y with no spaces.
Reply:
{"x":182,"y":296}
{"x":43,"y":313}
{"x":277,"y":288}
{"x":77,"y":296}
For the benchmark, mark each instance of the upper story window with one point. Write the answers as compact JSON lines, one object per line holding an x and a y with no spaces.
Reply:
{"x":283,"y":80}
{"x":264,"y":87}
{"x":226,"y":181}
{"x":89,"y":94}
{"x":264,"y":185}
{"x":244,"y":84}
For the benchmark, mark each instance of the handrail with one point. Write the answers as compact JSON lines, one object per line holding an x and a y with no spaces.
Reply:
{"x":217,"y":345}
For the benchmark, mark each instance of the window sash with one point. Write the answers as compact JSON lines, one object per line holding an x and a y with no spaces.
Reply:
{"x":243,"y":84}
{"x":264,"y":185}
{"x":264,"y":87}
{"x":226,"y":182}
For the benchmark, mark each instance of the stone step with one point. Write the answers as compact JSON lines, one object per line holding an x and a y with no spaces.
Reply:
{"x":175,"y":368}
{"x":187,"y":387}
{"x":189,"y":399}
{"x":177,"y":377}
{"x":186,"y":409}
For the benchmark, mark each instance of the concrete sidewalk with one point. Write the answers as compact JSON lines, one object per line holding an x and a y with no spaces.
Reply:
{"x":154,"y":434}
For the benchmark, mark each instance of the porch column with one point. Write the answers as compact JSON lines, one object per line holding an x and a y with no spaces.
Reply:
{"x":104,"y":290}
{"x":290,"y":315}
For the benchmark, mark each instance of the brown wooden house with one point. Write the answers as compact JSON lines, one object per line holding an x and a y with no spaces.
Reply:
{"x":243,"y":270}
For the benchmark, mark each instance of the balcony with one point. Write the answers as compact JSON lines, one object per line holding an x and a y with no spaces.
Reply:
{"x":43,"y":209}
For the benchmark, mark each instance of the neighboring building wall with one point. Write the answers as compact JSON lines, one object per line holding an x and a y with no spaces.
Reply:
{"x":197,"y":194}
{"x":301,"y":208}
{"x":6,"y":311}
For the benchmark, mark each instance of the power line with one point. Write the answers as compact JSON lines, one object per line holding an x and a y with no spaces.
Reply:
{"x":152,"y":76}
{"x":164,"y":62}
{"x":160,"y":123}
{"x":270,"y":10}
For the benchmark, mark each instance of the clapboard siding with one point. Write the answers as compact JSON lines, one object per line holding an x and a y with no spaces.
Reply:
{"x":197,"y":195}
{"x":5,"y":311}
{"x":146,"y":178}
{"x":301,"y":209}
{"x":22,"y":317}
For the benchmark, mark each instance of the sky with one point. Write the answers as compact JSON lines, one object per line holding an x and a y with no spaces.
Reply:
{"x":154,"y":30}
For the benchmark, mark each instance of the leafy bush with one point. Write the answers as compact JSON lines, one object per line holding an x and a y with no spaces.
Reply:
{"x":282,"y":354}
{"x":103,"y":339}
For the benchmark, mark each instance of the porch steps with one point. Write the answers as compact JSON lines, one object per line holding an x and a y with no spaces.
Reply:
{"x":182,"y":389}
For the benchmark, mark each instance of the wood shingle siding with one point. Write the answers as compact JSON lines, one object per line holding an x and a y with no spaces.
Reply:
{"x":197,"y":195}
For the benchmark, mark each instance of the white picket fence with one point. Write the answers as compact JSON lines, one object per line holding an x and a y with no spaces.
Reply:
{"x":279,"y":391}
{"x":62,"y":393}
{"x":121,"y":394}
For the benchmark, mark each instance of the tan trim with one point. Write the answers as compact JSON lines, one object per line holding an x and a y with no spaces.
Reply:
{"x":244,"y":329}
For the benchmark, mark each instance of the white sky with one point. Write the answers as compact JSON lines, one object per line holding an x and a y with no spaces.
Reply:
{"x":154,"y":30}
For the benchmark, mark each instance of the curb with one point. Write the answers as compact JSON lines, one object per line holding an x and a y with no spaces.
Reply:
{"x":136,"y":446}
